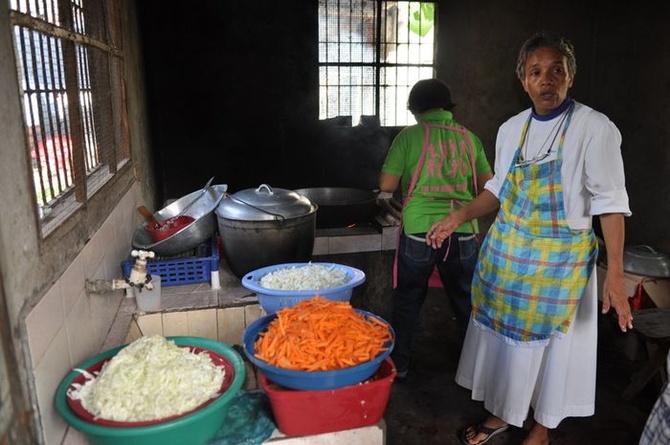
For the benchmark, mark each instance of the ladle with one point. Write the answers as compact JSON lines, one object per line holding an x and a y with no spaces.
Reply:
{"x":165,"y":224}
{"x":190,"y":204}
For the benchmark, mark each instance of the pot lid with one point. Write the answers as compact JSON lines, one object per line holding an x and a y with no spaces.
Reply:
{"x":646,"y":261}
{"x":264,"y":204}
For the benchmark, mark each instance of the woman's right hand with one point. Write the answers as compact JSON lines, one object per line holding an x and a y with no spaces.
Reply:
{"x":442,"y":229}
{"x":483,"y":204}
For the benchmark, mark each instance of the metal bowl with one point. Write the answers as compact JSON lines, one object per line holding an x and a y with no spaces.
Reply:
{"x":190,"y":236}
{"x":341,"y":206}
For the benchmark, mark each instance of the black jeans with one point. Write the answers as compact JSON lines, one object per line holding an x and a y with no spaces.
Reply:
{"x":416,"y":261}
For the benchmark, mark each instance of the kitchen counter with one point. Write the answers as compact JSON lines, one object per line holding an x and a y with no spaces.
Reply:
{"x":177,"y":303}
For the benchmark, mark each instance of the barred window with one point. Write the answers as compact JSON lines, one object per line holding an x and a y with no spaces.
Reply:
{"x":371,"y":52}
{"x":69,"y":62}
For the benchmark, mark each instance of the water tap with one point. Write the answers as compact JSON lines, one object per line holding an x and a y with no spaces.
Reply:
{"x":139,"y":278}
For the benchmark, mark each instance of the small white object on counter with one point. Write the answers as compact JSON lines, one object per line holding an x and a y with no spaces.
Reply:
{"x":149,"y":300}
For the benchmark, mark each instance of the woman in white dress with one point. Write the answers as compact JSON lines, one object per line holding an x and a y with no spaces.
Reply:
{"x":531,"y":341}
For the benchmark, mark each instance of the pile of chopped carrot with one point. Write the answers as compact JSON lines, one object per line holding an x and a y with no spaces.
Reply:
{"x":321,"y":335}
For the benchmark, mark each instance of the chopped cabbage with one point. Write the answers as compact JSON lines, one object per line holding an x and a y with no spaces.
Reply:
{"x":309,"y":277}
{"x":151,"y":378}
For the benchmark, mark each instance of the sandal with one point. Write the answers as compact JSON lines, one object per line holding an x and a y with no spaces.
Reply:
{"x":481,"y":428}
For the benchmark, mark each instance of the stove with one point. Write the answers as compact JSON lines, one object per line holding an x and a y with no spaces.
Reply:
{"x":387,"y":216}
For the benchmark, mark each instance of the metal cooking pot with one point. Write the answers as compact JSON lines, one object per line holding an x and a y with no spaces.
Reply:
{"x":265,"y":226}
{"x":646,"y":261}
{"x":341,"y":206}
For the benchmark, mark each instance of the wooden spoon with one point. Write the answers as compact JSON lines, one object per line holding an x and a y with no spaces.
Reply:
{"x":151,"y":219}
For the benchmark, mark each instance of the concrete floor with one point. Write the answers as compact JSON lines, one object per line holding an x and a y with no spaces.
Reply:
{"x":429,"y":408}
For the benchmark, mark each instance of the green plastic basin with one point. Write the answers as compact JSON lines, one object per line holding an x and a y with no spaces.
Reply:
{"x":193,"y":429}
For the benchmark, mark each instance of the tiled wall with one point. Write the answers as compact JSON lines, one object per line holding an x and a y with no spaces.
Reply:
{"x":68,"y":326}
{"x":225,"y":325}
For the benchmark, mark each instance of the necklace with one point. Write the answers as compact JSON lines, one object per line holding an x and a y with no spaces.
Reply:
{"x":554,"y":132}
{"x":523,"y":159}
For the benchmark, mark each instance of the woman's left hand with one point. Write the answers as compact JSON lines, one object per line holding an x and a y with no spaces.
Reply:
{"x":614,"y":297}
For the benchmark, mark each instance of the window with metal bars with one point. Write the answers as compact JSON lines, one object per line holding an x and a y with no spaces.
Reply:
{"x":371,"y":53}
{"x":69,"y":63}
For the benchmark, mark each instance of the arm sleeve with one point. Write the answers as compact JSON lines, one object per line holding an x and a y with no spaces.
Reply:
{"x":605,"y":178}
{"x":394,"y":164}
{"x":481,"y":162}
{"x":502,"y":162}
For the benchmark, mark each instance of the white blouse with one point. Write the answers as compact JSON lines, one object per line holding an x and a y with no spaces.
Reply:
{"x":592,"y":171}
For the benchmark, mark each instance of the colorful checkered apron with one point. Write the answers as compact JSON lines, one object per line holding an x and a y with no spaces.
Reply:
{"x":532,"y":268}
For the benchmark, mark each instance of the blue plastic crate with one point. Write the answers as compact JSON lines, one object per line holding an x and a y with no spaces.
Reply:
{"x":191,"y":267}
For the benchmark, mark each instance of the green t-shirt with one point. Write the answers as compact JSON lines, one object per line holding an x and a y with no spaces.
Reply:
{"x":446,"y":177}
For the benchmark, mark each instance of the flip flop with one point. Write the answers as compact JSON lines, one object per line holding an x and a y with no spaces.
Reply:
{"x":481,"y":428}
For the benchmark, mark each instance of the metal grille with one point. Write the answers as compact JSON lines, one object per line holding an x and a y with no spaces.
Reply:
{"x":371,"y":52}
{"x":69,"y":68}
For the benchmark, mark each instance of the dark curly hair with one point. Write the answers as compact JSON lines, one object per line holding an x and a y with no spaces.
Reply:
{"x":546,"y":39}
{"x":429,"y":94}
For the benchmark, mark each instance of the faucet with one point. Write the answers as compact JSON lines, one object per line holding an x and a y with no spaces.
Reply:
{"x":139,"y":277}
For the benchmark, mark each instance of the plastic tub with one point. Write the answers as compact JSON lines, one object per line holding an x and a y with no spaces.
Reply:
{"x":195,"y":266}
{"x":299,"y":413}
{"x":272,"y":300}
{"x":195,"y":428}
{"x":311,"y":380}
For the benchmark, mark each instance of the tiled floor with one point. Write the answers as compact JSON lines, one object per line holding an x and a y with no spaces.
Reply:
{"x":429,"y":408}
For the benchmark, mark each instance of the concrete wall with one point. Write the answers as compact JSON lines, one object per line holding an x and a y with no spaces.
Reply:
{"x":233,"y":91}
{"x":52,"y":323}
{"x":231,"y":88}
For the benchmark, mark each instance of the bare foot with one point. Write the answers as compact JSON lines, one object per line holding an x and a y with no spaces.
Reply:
{"x":538,"y":435}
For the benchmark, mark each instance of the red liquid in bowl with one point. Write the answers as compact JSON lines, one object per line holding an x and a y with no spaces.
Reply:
{"x":168,"y":227}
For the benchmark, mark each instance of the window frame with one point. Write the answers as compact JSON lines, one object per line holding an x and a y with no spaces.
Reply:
{"x":387,"y":97}
{"x":83,"y":201}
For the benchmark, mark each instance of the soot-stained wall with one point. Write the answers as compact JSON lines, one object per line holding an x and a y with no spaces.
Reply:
{"x":233,"y":91}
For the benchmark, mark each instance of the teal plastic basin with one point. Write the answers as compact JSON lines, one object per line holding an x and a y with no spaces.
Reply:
{"x":192,"y":429}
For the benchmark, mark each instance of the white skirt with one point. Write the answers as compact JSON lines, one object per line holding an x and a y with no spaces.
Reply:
{"x":557,"y":380}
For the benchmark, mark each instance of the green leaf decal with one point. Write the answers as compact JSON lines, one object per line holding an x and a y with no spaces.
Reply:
{"x":422,"y":18}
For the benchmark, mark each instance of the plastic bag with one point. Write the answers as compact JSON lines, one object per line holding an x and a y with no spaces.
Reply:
{"x":640,"y":299}
{"x":249,"y":421}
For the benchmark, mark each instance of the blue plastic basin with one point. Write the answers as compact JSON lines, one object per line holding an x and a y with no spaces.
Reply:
{"x":312,"y":380}
{"x":272,"y":300}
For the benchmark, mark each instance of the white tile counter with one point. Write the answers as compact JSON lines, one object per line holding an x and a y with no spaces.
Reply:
{"x":223,"y":314}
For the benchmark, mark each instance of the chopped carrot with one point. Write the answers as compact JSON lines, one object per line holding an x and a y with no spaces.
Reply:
{"x":321,"y":335}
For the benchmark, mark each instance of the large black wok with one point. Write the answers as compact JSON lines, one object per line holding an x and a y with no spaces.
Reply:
{"x":341,"y":206}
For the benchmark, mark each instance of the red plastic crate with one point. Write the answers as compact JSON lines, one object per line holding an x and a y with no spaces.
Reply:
{"x":301,"y":413}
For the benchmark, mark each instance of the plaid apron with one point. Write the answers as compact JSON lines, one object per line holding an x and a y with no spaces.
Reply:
{"x":532,"y":269}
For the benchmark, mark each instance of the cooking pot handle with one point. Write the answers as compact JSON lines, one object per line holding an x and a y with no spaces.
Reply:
{"x":276,"y":215}
{"x":266,"y":187}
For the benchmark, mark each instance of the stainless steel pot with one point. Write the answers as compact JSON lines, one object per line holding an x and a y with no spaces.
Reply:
{"x":265,"y":226}
{"x":646,"y":261}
